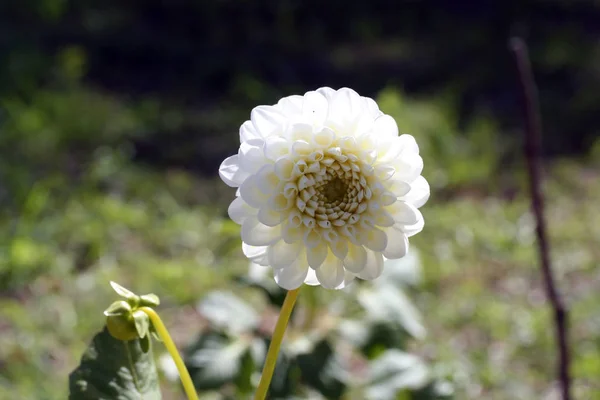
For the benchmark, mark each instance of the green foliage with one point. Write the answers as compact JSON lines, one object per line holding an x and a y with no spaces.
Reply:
{"x":453,"y":159}
{"x":112,"y":369}
{"x":322,"y":354}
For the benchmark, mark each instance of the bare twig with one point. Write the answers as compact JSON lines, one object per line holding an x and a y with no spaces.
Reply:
{"x":533,"y":137}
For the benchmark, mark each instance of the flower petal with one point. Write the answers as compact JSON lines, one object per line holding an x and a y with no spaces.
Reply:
{"x":317,"y":255}
{"x":230,"y":172}
{"x":282,"y":254}
{"x":375,"y":239}
{"x":373,"y":267}
{"x":411,"y":230}
{"x":239,"y":210}
{"x":255,"y":233}
{"x":315,"y":108}
{"x":266,"y":215}
{"x":356,"y":259}
{"x":385,"y":128}
{"x":252,"y":156}
{"x":311,"y":278}
{"x":397,"y":246}
{"x":268,"y":120}
{"x":292,"y":276}
{"x":291,"y":106}
{"x":256,"y":254}
{"x":248,"y":132}
{"x":419,"y":192}
{"x":251,"y":193}
{"x":404,"y":213}
{"x":408,"y":167}
{"x":331,"y":273}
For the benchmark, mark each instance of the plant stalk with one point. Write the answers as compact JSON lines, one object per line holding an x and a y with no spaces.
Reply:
{"x":162,"y":331}
{"x":533,"y":137}
{"x":273,"y":352}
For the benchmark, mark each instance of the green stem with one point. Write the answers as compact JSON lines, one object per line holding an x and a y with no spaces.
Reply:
{"x":271,"y":360}
{"x":162,"y":331}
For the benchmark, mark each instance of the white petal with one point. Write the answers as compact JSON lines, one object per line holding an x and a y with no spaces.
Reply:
{"x":275,"y":147}
{"x":331,"y":273}
{"x":348,"y":278}
{"x":315,"y":108}
{"x":248,"y":132}
{"x":339,"y":247}
{"x":292,"y":276}
{"x":239,"y":210}
{"x":252,"y":156}
{"x":408,"y":144}
{"x":372,"y":107}
{"x":397,"y":245}
{"x":292,"y":234}
{"x":404,"y":213}
{"x":311,"y":278}
{"x":411,"y":230}
{"x":419,"y":192}
{"x":291,"y":106}
{"x":251,"y":193}
{"x":266,"y":179}
{"x":256,"y":254}
{"x":256,"y":234}
{"x":386,"y":128}
{"x":356,"y":259}
{"x":327,"y":92}
{"x":375,"y":239}
{"x":281,"y":254}
{"x":344,"y":107}
{"x":373,"y":267}
{"x":268,"y":216}
{"x":408,"y":167}
{"x":230,"y":172}
{"x":268,"y":120}
{"x":317,"y":255}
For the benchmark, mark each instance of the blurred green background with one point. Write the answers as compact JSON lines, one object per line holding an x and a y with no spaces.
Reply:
{"x":114,"y":117}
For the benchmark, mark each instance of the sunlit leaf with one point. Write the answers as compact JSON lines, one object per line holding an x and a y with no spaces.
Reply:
{"x":393,"y":372}
{"x":111,"y":369}
{"x":322,"y":369}
{"x":214,"y":360}
{"x":226,"y":311}
{"x":389,"y":304}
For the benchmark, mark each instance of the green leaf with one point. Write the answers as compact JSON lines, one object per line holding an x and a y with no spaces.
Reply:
{"x":111,"y":369}
{"x":393,"y":372}
{"x":149,"y":300}
{"x":322,"y":370}
{"x":118,"y":308}
{"x":142,"y":323}
{"x":126,"y":293}
{"x":226,"y":311}
{"x":387,"y":303}
{"x":214,"y":360}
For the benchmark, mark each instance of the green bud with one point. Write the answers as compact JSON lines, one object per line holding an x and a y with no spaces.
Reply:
{"x":142,"y":323}
{"x":118,"y":308}
{"x":149,"y":300}
{"x":131,"y":297}
{"x":121,"y":327}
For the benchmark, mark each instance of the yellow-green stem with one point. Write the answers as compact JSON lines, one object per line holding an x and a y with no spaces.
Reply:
{"x":162,"y":331}
{"x":271,"y":360}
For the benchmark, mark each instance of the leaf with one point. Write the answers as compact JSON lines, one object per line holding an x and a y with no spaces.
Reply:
{"x":322,"y":370}
{"x":111,"y":369}
{"x":405,"y":271}
{"x":226,"y":311}
{"x":214,"y":360}
{"x":389,"y":304}
{"x":394,"y":371}
{"x":123,"y":292}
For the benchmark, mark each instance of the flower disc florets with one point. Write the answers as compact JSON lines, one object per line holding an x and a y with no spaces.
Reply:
{"x":327,"y":188}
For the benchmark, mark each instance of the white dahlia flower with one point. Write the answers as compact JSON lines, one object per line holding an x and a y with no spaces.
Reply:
{"x":327,"y":188}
